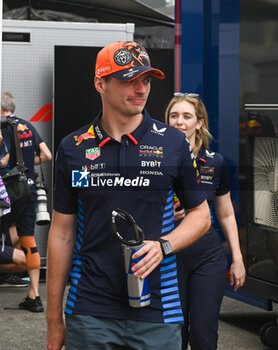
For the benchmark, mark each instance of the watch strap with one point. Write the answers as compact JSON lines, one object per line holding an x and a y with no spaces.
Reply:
{"x":162,"y":243}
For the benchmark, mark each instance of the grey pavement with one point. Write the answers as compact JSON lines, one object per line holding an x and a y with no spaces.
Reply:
{"x":239,"y":323}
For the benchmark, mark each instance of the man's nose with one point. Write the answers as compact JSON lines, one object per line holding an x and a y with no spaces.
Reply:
{"x":140,"y":86}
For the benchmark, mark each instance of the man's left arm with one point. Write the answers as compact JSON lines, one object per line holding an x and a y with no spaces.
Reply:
{"x":193,"y":226}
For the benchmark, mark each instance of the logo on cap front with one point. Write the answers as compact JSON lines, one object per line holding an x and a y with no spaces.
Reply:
{"x":122,"y":57}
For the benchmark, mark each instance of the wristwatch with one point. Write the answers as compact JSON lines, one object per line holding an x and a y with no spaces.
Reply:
{"x":165,"y":247}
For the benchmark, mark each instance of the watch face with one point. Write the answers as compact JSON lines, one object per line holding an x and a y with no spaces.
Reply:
{"x":167,"y":248}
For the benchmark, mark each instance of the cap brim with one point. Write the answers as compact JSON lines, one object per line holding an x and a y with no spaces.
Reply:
{"x":129,"y":74}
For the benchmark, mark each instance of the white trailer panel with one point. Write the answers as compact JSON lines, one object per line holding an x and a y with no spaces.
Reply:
{"x":27,"y":72}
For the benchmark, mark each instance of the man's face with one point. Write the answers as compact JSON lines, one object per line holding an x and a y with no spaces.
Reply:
{"x":127,"y":98}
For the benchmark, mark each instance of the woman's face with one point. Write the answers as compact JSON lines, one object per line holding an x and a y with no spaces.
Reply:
{"x":183,"y":117}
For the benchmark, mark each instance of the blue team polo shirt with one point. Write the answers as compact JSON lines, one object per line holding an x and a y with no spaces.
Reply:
{"x":94,"y":175}
{"x":28,"y":138}
{"x":213,"y":174}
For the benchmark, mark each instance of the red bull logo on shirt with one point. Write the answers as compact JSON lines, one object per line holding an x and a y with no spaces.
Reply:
{"x":253,"y":123}
{"x":22,"y":127}
{"x":23,"y":131}
{"x":147,"y":150}
{"x":90,"y":134}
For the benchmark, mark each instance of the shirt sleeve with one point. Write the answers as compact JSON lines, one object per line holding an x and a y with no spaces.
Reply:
{"x":7,"y":134}
{"x":37,"y":136}
{"x":65,"y":198}
{"x":224,"y":179}
{"x":187,"y":187}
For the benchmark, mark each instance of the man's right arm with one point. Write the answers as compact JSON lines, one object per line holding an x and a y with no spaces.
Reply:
{"x":60,"y":247}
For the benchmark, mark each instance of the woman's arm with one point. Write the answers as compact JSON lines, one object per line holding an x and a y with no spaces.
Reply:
{"x":226,"y":216}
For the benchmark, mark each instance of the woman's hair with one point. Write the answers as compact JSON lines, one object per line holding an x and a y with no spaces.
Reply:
{"x":203,"y":135}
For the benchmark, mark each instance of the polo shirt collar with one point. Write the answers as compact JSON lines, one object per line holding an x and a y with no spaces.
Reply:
{"x":100,"y":135}
{"x":202,"y":157}
{"x":135,"y":136}
{"x":139,"y":132}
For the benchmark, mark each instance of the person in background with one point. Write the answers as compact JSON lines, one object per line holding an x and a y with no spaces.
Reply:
{"x":202,"y":267}
{"x":24,"y":219}
{"x":4,"y":155}
{"x":105,"y":165}
{"x":12,"y":260}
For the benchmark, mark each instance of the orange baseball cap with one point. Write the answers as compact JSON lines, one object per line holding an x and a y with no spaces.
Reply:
{"x":124,"y":60}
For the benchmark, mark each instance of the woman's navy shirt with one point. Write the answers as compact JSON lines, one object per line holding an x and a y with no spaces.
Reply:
{"x":213,"y":174}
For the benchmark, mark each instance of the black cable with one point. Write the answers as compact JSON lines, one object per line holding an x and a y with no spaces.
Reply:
{"x":125,"y":216}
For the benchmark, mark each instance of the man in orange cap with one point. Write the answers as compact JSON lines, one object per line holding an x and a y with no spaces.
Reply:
{"x":123,"y":159}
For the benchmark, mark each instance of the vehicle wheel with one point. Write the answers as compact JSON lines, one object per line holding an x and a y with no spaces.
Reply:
{"x":269,"y":335}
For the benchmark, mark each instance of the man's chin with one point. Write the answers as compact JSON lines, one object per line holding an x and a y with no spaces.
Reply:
{"x":135,"y":111}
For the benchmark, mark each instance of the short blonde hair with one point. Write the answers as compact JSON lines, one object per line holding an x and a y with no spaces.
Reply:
{"x":203,"y":136}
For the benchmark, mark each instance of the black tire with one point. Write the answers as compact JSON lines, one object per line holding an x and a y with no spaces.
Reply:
{"x":269,"y":335}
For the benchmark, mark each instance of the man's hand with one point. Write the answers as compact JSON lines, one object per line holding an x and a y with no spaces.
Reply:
{"x":180,"y":213}
{"x":153,"y":257}
{"x":56,"y":335}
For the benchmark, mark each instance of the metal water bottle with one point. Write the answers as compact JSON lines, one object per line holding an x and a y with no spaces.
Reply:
{"x":138,"y":289}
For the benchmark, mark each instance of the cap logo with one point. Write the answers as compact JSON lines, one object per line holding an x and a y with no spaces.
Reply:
{"x":122,"y":57}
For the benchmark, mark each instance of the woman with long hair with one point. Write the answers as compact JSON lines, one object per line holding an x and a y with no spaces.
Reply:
{"x":202,"y":267}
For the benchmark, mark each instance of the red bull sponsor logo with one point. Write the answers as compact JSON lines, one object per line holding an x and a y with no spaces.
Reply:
{"x":90,"y":134}
{"x":22,"y":127}
{"x":157,"y":152}
{"x":25,"y":135}
{"x":253,"y":123}
{"x":147,"y":150}
{"x":207,"y":169}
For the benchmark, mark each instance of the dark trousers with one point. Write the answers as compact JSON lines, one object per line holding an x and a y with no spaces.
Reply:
{"x":98,"y":333}
{"x":202,"y":270}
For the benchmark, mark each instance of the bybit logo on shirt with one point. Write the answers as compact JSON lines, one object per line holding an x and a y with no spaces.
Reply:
{"x":150,"y":164}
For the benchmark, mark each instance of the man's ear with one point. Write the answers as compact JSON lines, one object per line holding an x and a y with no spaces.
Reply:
{"x":98,"y":84}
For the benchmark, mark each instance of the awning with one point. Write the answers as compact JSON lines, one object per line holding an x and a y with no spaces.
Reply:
{"x":119,"y":11}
